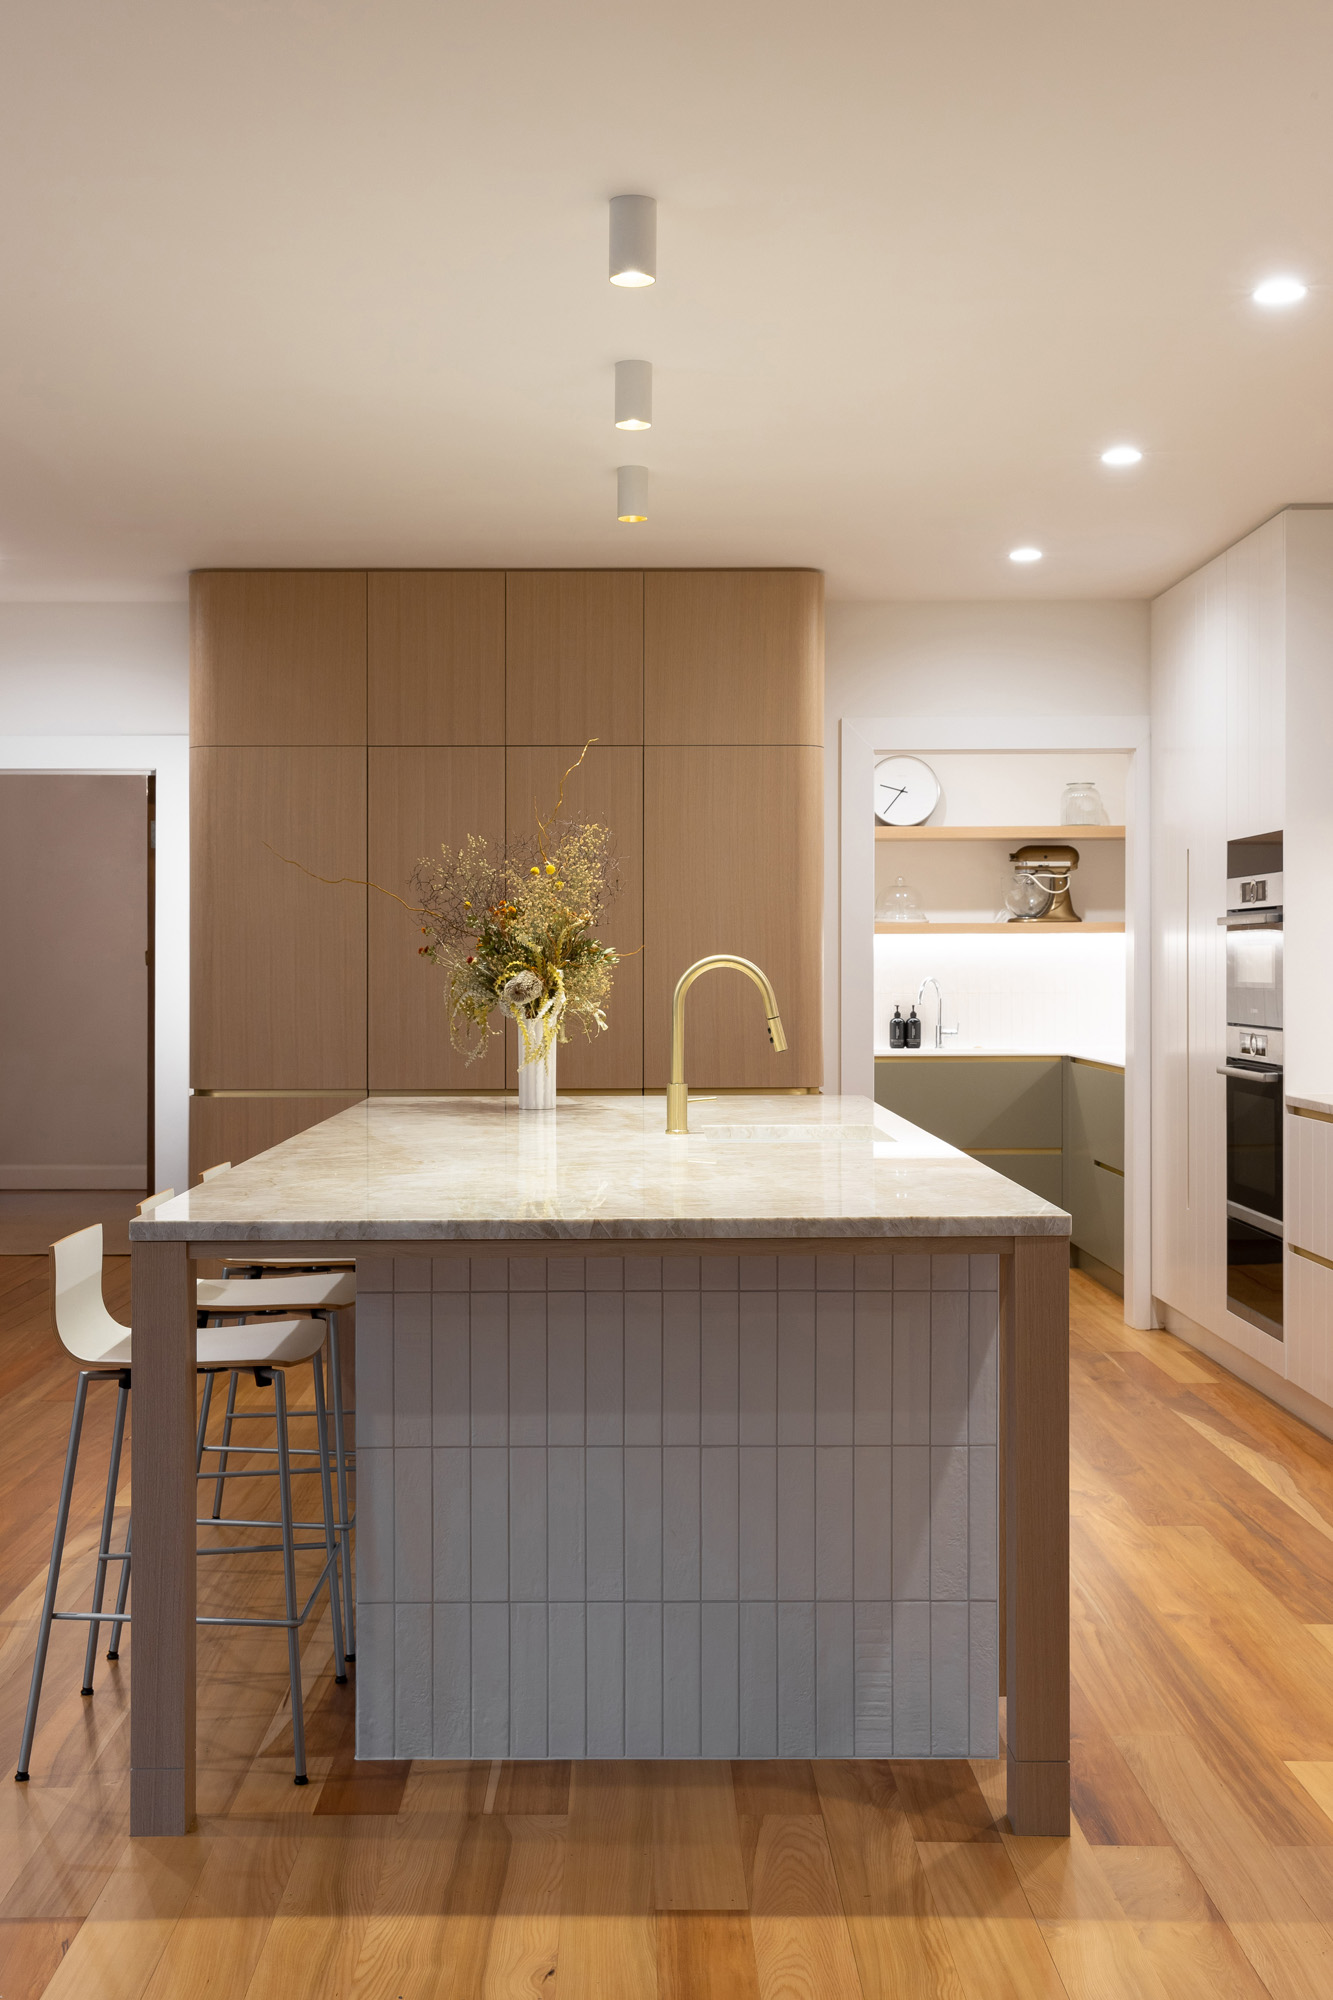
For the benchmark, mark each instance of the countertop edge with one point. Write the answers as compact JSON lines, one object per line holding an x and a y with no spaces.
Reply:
{"x":668,"y":1229}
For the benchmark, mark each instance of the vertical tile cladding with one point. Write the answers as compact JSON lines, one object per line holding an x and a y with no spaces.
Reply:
{"x":679,"y":1506}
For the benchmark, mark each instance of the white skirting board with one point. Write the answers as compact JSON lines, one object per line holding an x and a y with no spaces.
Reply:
{"x":677,"y":1506}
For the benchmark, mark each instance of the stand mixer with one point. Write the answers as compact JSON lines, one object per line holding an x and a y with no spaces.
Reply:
{"x":1040,"y":890}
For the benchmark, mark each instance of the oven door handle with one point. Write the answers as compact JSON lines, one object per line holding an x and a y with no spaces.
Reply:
{"x":1273,"y":1075}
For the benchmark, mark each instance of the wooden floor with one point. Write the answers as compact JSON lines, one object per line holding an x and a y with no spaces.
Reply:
{"x":1201,"y":1865}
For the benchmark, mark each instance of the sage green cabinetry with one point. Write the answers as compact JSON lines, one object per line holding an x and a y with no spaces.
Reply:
{"x":1095,"y":1159}
{"x":1007,"y":1111}
{"x":1054,"y":1124}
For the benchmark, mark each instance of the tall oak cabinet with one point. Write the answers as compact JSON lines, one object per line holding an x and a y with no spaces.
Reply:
{"x":352,"y":721}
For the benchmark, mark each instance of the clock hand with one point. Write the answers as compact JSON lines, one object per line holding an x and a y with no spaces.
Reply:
{"x":896,"y":796}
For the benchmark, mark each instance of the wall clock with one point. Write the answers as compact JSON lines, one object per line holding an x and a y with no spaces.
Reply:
{"x":906,"y":791}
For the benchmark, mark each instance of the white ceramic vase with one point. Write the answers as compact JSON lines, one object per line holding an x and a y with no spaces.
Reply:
{"x":536,"y":1067}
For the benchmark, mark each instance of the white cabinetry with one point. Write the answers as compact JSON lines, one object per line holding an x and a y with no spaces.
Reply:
{"x":1256,"y":681}
{"x":1190,"y":658}
{"x":1242,"y":745}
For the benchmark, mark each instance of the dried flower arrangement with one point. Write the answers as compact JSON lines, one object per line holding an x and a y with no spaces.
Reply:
{"x":513,"y":932}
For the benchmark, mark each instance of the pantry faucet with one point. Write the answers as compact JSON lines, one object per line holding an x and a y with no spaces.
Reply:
{"x":940,"y":1030}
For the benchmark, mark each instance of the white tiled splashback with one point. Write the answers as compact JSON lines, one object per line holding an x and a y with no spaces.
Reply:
{"x":1046,"y":994}
{"x":677,"y":1507}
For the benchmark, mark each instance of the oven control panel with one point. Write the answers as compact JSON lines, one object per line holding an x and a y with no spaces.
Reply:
{"x":1260,"y":1045}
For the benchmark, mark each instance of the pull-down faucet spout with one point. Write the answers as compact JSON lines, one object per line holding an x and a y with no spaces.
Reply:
{"x":677,"y":1093}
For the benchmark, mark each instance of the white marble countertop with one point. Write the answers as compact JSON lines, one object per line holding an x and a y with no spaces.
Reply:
{"x":473,"y":1169}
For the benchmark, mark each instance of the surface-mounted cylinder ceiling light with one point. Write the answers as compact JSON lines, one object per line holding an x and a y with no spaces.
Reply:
{"x":634,"y":395}
{"x":633,"y":239}
{"x":631,"y":493}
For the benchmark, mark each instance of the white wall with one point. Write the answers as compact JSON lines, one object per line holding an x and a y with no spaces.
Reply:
{"x":94,"y":670}
{"x":943,"y":659}
{"x":105,"y":687}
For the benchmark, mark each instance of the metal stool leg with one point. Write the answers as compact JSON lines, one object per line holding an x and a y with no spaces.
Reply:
{"x":108,"y":1520}
{"x":289,"y":1573}
{"x":226,"y":1440}
{"x":330,"y":1538}
{"x":113,"y":1650}
{"x":205,"y":1404}
{"x":340,"y":1455}
{"x":52,"y":1578}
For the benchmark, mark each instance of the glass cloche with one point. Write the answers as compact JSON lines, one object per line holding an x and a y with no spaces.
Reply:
{"x":899,"y":904}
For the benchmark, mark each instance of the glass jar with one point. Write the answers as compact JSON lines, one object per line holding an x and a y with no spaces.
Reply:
{"x":1081,"y":804}
{"x":899,"y":904}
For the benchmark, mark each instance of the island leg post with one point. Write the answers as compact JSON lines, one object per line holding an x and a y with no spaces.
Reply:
{"x":1036,"y":1514}
{"x":162,"y":1678}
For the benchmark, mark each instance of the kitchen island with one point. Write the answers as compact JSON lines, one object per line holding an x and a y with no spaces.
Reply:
{"x":747,"y":1442}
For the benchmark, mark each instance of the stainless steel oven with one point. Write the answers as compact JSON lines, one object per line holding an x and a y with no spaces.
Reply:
{"x":1253,"y":1075}
{"x":1254,"y":967}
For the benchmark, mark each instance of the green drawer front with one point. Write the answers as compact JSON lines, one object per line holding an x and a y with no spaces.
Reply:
{"x":1040,"y":1173}
{"x":977,"y":1105}
{"x":1095,"y":1112}
{"x":1095,"y":1159}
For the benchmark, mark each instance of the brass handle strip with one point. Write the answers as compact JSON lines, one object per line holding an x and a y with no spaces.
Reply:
{"x":1107,"y":1168}
{"x":1312,"y":1256}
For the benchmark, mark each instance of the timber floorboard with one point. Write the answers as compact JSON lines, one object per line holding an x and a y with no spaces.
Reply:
{"x":1200,"y":1865}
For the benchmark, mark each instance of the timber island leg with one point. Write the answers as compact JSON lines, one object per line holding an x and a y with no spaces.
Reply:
{"x":164,"y":1502}
{"x":1036,"y":1507}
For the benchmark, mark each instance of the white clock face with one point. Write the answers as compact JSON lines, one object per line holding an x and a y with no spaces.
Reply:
{"x":906,"y":791}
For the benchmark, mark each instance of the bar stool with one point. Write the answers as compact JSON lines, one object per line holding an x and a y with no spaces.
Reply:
{"x":104,"y":1346}
{"x":322,"y":1289}
{"x":295,"y":1286}
{"x":323,"y":1295}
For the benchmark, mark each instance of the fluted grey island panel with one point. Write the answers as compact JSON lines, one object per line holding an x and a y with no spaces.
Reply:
{"x":673,"y":1506}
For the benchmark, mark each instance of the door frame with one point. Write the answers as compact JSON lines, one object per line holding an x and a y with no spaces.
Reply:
{"x":165,"y":762}
{"x":849,"y":1029}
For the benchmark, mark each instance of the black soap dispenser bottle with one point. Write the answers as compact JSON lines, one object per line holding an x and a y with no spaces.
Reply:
{"x":912,"y":1031}
{"x":897,"y":1030}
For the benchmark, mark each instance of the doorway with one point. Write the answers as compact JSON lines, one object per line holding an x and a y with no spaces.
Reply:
{"x":76,"y":1004}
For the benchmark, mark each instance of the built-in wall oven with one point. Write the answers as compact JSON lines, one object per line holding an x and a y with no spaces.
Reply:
{"x":1253,"y":1073}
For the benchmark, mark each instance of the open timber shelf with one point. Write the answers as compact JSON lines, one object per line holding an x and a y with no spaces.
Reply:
{"x":1070,"y":834}
{"x":982,"y":930}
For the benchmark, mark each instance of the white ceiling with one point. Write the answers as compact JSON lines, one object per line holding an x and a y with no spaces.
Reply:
{"x":324,"y":281}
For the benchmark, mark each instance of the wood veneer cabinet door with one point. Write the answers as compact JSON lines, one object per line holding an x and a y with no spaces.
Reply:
{"x":733,"y":656}
{"x":278,"y":656}
{"x":420,"y":801}
{"x":733,"y":862}
{"x":278,"y":987}
{"x":608,"y":787}
{"x":574,"y":656}
{"x":236,"y":1128}
{"x":436,"y":656}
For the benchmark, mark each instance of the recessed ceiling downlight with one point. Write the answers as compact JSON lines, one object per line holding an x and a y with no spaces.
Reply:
{"x":1025,"y":555}
{"x":1122,"y":454}
{"x":1279,"y":292}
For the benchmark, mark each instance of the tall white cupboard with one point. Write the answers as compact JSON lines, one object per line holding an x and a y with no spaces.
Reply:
{"x":1242,"y":733}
